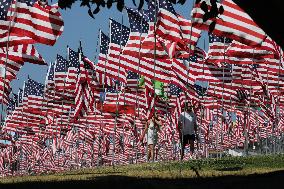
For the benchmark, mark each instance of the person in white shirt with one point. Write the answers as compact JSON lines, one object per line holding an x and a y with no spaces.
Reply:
{"x":188,"y":128}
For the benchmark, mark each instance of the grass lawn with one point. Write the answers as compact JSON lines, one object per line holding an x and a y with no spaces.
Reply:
{"x":228,"y":172}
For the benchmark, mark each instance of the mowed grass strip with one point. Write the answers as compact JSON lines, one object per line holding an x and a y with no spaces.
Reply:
{"x":204,"y":168}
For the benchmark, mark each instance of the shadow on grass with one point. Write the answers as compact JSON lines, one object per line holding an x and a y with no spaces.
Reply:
{"x":229,"y":169}
{"x":259,"y":181}
{"x":84,"y":173}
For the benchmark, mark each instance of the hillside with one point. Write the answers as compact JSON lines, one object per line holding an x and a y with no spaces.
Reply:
{"x":242,"y":172}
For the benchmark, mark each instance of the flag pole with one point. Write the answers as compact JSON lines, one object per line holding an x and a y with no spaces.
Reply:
{"x":42,"y":111}
{"x":94,"y":77}
{"x":202,"y":109}
{"x":248,"y":113}
{"x":11,"y":117}
{"x":215,"y":115}
{"x":27,"y":122}
{"x":55,"y":120}
{"x":62,"y":109}
{"x":62,"y":101}
{"x":223,"y":82}
{"x":137,"y":87}
{"x":157,"y":5}
{"x":21,"y":118}
{"x":86,"y":113}
{"x":278,"y":98}
{"x":101,"y":108}
{"x":6,"y":58}
{"x":117,"y":95}
{"x":267,"y":102}
{"x":124,"y":113}
{"x":186,"y":92}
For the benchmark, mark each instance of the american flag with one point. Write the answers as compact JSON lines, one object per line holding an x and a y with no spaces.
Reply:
{"x":183,"y":73}
{"x":33,"y":95}
{"x":177,"y":100}
{"x":61,"y":66}
{"x":118,"y":37}
{"x":175,"y":92}
{"x":222,"y":49}
{"x":5,"y":88}
{"x":30,"y":107}
{"x":150,"y":97}
{"x":221,"y":74}
{"x":138,"y":21}
{"x":152,"y":45}
{"x":60,"y":78}
{"x":208,"y":70}
{"x":87,"y":71}
{"x":271,"y":73}
{"x":217,"y":53}
{"x":234,"y":23}
{"x":176,"y":29}
{"x":102,"y":61}
{"x":85,"y":91}
{"x":11,"y":68}
{"x":132,"y":81}
{"x":224,"y":92}
{"x":133,"y":100}
{"x":17,"y":55}
{"x":133,"y":94}
{"x":49,"y":82}
{"x":20,"y":97}
{"x":132,"y":58}
{"x":73,"y":70}
{"x":167,"y":27}
{"x":241,"y":51}
{"x":22,"y":53}
{"x":112,"y":95}
{"x":13,"y":101}
{"x":31,"y":22}
{"x":123,"y":102}
{"x":54,"y":103}
{"x":201,"y":91}
{"x":5,"y":13}
{"x":187,"y":71}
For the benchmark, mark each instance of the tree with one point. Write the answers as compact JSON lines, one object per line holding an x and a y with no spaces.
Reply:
{"x":266,"y":14}
{"x":104,"y":4}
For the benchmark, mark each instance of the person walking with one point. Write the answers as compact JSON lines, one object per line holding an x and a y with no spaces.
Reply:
{"x":187,"y":125}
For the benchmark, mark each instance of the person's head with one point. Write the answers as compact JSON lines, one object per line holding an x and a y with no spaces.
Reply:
{"x":188,"y":107}
{"x":155,"y":116}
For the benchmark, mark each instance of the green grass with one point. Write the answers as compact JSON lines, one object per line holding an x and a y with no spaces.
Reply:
{"x":205,"y":168}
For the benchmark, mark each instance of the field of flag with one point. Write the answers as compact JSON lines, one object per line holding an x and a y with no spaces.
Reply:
{"x":92,"y":113}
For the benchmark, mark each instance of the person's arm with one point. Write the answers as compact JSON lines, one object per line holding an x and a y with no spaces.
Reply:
{"x":195,"y":127}
{"x":158,"y":125}
{"x":145,"y":130}
{"x":180,"y":126}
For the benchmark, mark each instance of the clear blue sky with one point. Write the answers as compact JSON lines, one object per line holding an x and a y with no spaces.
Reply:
{"x":78,"y":25}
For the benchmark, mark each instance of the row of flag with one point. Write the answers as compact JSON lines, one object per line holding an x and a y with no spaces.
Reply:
{"x":90,"y":113}
{"x":24,"y":23}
